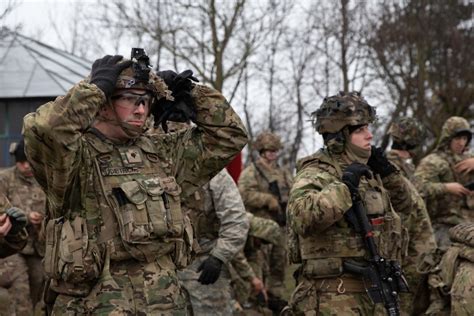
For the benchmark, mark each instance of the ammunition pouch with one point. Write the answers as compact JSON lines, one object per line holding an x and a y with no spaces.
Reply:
{"x":322,"y":268}
{"x":72,"y":260}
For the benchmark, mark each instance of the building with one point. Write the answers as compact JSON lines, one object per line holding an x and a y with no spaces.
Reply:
{"x":31,"y":74}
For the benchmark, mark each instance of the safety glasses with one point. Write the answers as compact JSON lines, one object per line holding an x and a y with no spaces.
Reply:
{"x":130,"y":99}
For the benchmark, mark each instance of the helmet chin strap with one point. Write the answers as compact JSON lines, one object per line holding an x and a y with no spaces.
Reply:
{"x":131,"y":131}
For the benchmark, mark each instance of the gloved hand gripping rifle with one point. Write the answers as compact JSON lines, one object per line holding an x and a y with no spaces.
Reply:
{"x":384,"y":278}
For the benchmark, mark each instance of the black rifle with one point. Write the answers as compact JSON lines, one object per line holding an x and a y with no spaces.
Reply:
{"x":384,"y":279}
{"x":275,"y":191}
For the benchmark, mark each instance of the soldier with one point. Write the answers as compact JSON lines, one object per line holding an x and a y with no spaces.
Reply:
{"x":347,"y":169}
{"x":13,"y":236}
{"x":454,"y":275}
{"x":447,"y":200}
{"x":264,"y":187}
{"x":14,"y":297}
{"x":221,"y":226}
{"x":247,"y":276}
{"x":406,"y":136}
{"x":115,"y":231}
{"x":21,"y":188}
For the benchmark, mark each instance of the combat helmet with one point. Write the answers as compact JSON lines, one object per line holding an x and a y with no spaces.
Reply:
{"x":407,"y":133}
{"x":267,"y":141}
{"x":344,"y":109}
{"x":454,"y":126}
{"x":140,"y":76}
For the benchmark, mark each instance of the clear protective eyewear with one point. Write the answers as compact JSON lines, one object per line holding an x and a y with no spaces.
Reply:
{"x":130,"y":99}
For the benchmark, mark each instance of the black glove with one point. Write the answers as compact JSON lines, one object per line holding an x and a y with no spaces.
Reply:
{"x":211,"y":269}
{"x":182,"y":109}
{"x":17,"y":219}
{"x":105,"y":72}
{"x":351,"y":177}
{"x":379,"y":163}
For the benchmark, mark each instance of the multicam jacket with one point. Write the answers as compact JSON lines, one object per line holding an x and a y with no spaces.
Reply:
{"x":25,"y":193}
{"x":126,"y":196}
{"x":316,"y":208}
{"x":254,"y":187}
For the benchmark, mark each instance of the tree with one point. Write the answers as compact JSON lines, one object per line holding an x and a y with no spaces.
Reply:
{"x":423,"y":54}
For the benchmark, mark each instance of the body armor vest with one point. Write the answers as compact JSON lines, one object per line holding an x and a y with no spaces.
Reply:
{"x":200,"y":209}
{"x":323,"y":253}
{"x":132,"y":199}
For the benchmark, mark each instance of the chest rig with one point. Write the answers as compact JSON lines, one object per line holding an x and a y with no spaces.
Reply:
{"x":323,"y":253}
{"x":133,"y":200}
{"x":200,"y":209}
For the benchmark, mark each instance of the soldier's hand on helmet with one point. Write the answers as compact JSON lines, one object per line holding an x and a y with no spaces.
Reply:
{"x":211,"y":269}
{"x":105,"y":72}
{"x":466,"y":166}
{"x":182,"y":109}
{"x":457,"y":189}
{"x":379,"y":163}
{"x":17,"y":218}
{"x":351,"y":177}
{"x":5,"y":225}
{"x":35,"y":218}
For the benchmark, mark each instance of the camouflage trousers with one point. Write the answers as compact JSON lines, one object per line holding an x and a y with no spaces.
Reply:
{"x":442,"y":235}
{"x":212,"y":299}
{"x":310,"y":299}
{"x":36,"y":277}
{"x":15,"y":290}
{"x":130,"y":288}
{"x":462,"y":290}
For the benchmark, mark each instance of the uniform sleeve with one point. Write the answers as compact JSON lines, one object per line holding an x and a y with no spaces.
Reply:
{"x":250,"y":190}
{"x":242,"y":267}
{"x":428,"y":176}
{"x":212,"y":144}
{"x":53,"y":139}
{"x":317,"y":200}
{"x":234,"y":224}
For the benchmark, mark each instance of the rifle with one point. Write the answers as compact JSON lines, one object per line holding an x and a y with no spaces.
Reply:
{"x":385,"y":277}
{"x":275,"y":191}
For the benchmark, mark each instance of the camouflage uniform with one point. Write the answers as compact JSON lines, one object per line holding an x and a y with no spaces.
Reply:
{"x":116,"y":232}
{"x":262,"y":231}
{"x":254,"y":186}
{"x":221,"y":227}
{"x":14,"y":290}
{"x":454,"y":277}
{"x":436,"y":169}
{"x":321,"y":239}
{"x":25,"y":193}
{"x":407,"y":134}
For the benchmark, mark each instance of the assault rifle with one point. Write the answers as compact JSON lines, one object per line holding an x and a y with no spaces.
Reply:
{"x":275,"y":191}
{"x":384,"y":279}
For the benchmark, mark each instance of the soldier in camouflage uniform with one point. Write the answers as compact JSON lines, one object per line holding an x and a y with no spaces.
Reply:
{"x":21,"y":188}
{"x":258,"y":185}
{"x":221,"y":226}
{"x":407,"y":135}
{"x":348,"y":168}
{"x":14,"y":298}
{"x":115,"y":231}
{"x":441,"y":185}
{"x":453,"y":277}
{"x":247,"y":275}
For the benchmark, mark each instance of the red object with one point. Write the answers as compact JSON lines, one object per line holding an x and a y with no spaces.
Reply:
{"x":377,"y":221}
{"x":235,"y":167}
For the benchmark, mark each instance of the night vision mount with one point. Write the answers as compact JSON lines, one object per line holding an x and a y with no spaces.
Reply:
{"x":141,"y":64}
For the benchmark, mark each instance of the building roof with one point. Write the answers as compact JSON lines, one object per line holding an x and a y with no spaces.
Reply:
{"x":29,"y":68}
